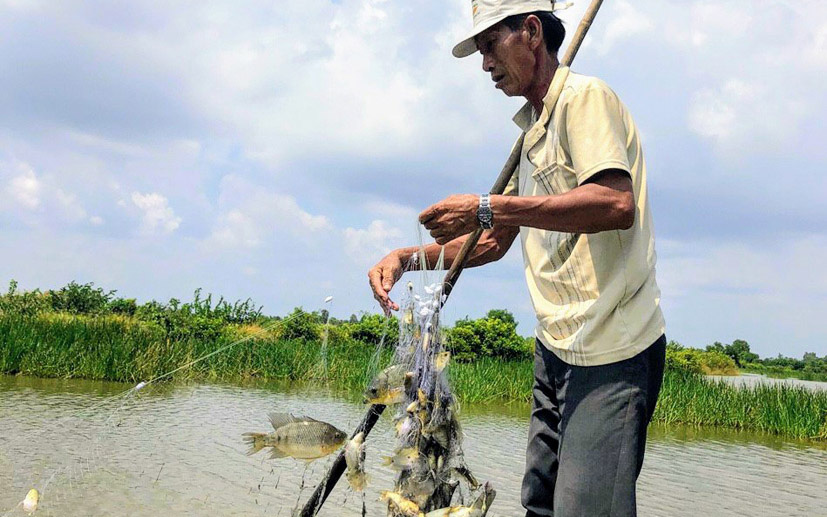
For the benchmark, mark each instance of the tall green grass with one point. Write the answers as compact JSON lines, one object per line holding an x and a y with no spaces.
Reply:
{"x":123,"y":349}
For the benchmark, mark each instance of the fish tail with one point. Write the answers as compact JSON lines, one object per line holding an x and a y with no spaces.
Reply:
{"x":255,"y":441}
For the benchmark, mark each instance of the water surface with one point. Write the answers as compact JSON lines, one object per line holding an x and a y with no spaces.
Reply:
{"x":754,"y":379}
{"x":177,"y":450}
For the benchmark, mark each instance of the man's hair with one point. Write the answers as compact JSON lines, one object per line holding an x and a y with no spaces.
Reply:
{"x":553,"y":30}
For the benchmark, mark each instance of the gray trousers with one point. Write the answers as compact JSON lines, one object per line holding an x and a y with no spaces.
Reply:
{"x":588,"y":434}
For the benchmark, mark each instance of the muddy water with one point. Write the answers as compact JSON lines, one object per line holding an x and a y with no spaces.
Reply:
{"x":177,"y":450}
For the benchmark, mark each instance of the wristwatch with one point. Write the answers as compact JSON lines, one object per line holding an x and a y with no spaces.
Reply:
{"x":484,"y":214}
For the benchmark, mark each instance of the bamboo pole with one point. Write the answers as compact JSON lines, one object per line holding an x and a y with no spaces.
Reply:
{"x":323,"y":489}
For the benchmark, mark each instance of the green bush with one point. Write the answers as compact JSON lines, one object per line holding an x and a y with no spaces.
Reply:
{"x":717,"y":363}
{"x":301,"y":325}
{"x":463,"y":343}
{"x":370,"y":329}
{"x":77,"y":298}
{"x":495,"y":335}
{"x":683,"y":360}
{"x":27,"y":303}
{"x":123,"y":306}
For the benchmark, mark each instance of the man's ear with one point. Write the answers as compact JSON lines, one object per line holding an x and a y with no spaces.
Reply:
{"x":535,"y":31}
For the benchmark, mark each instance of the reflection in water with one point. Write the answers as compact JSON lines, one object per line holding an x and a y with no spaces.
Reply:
{"x":177,"y":450}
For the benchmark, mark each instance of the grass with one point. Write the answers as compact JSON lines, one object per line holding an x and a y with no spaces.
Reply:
{"x":118,"y":348}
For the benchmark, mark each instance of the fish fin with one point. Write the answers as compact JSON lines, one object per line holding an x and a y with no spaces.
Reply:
{"x":307,"y":419}
{"x":255,"y":441}
{"x":280,"y":419}
{"x":276,"y":453}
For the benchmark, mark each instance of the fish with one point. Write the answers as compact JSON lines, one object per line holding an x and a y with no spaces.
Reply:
{"x":419,"y":407}
{"x":443,"y":427}
{"x":419,"y":487}
{"x":400,"y":504}
{"x":462,"y":472}
{"x":31,"y":501}
{"x":479,"y":508}
{"x":302,"y":438}
{"x":355,"y":460}
{"x":389,"y":386}
{"x":441,"y":360}
{"x":403,"y":459}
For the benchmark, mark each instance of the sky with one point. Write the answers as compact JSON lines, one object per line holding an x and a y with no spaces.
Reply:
{"x":276,"y":150}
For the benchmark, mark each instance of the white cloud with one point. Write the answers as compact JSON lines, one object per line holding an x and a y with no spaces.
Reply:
{"x":25,"y":188}
{"x":250,"y":216}
{"x":367,"y":245}
{"x":157,"y":216}
{"x":741,"y":115}
{"x":624,"y":23}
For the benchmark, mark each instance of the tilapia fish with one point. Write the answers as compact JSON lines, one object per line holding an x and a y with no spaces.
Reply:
{"x":389,"y":386}
{"x":355,"y":460}
{"x":479,"y":508}
{"x":302,"y":438}
{"x":400,"y":505}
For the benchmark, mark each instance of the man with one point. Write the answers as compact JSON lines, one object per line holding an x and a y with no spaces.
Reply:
{"x":579,"y":202}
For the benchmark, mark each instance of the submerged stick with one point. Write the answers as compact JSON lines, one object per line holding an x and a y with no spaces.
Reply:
{"x":323,"y":489}
{"x":317,"y":499}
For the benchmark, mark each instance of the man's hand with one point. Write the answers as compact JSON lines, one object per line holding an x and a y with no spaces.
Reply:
{"x":382,"y":276}
{"x":452,"y":217}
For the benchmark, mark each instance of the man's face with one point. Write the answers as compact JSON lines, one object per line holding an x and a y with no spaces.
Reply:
{"x":508,"y":58}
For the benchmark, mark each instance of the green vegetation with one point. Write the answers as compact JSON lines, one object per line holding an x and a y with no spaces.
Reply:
{"x":692,"y":360}
{"x":84,"y":332}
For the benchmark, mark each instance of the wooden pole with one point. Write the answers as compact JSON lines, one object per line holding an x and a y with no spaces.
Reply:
{"x":317,"y":499}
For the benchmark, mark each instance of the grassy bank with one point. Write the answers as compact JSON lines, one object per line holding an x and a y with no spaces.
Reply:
{"x":120,"y":348}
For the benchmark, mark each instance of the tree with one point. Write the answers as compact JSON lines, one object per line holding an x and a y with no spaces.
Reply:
{"x":740,"y":353}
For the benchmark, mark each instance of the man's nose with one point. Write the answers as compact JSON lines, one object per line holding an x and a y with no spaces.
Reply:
{"x":487,"y":62}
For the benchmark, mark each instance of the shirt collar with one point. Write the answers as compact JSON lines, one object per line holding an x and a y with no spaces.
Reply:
{"x":526,"y":117}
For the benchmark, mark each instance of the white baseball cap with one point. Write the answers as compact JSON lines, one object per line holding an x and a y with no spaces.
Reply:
{"x":487,"y":13}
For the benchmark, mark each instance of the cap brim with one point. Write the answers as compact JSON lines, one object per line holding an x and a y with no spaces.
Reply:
{"x":468,"y":46}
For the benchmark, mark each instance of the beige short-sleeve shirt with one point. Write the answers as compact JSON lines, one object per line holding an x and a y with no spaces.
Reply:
{"x":595,"y":295}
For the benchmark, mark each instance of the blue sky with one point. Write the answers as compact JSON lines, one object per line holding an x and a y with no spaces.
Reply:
{"x":276,"y":150}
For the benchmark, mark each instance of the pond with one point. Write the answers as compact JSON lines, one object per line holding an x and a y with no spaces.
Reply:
{"x":754,"y":379}
{"x":176,"y":449}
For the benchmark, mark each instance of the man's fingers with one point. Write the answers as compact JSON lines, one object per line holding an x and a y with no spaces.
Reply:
{"x":427,"y":214}
{"x":381,"y":284}
{"x":375,"y":278}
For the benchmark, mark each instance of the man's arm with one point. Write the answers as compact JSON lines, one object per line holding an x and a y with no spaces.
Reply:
{"x":605,"y":202}
{"x":493,"y":245}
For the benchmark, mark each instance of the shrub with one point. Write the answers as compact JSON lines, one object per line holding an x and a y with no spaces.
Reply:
{"x":77,"y":298}
{"x":683,"y":360}
{"x":495,"y":335}
{"x":371,"y":328}
{"x":123,"y":306}
{"x":301,"y":325}
{"x":28,"y":303}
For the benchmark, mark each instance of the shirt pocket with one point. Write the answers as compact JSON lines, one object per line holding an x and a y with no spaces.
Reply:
{"x":548,"y":179}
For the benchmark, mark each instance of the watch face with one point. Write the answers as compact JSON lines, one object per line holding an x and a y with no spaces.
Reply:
{"x":486,"y":217}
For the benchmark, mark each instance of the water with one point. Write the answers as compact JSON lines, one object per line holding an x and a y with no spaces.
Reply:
{"x":754,"y":379}
{"x":177,"y":450}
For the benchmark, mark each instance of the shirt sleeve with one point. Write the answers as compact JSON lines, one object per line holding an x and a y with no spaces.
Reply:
{"x":596,"y":132}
